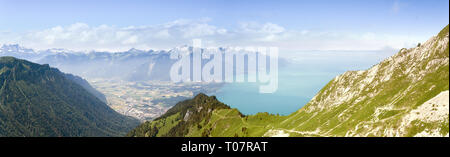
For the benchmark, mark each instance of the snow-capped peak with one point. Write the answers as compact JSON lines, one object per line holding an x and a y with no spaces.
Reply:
{"x":57,"y":50}
{"x":14,"y":48}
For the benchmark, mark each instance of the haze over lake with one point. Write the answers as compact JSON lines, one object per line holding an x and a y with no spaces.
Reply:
{"x":298,"y":81}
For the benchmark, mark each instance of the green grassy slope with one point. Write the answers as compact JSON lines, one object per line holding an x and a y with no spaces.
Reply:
{"x":390,"y":99}
{"x":180,"y":119}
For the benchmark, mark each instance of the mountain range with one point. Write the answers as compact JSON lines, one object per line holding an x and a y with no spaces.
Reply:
{"x":131,"y":65}
{"x":404,"y":95}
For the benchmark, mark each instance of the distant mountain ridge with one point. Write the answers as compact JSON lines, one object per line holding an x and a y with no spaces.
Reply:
{"x":37,"y":100}
{"x":404,"y":95}
{"x":131,"y":65}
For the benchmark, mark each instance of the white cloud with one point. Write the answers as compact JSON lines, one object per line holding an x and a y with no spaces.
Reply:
{"x":396,"y":7}
{"x":267,"y":28}
{"x":81,"y":36}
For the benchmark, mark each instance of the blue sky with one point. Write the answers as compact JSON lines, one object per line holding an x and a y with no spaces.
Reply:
{"x":289,"y":24}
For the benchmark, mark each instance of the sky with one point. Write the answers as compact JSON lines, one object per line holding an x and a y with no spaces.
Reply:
{"x":291,"y":25}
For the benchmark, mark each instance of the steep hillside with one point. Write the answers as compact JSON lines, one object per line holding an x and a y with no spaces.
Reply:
{"x":404,"y":95}
{"x":37,"y":100}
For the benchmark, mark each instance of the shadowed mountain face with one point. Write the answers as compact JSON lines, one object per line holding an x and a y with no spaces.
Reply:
{"x":37,"y":100}
{"x":404,"y":95}
{"x":83,"y":83}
